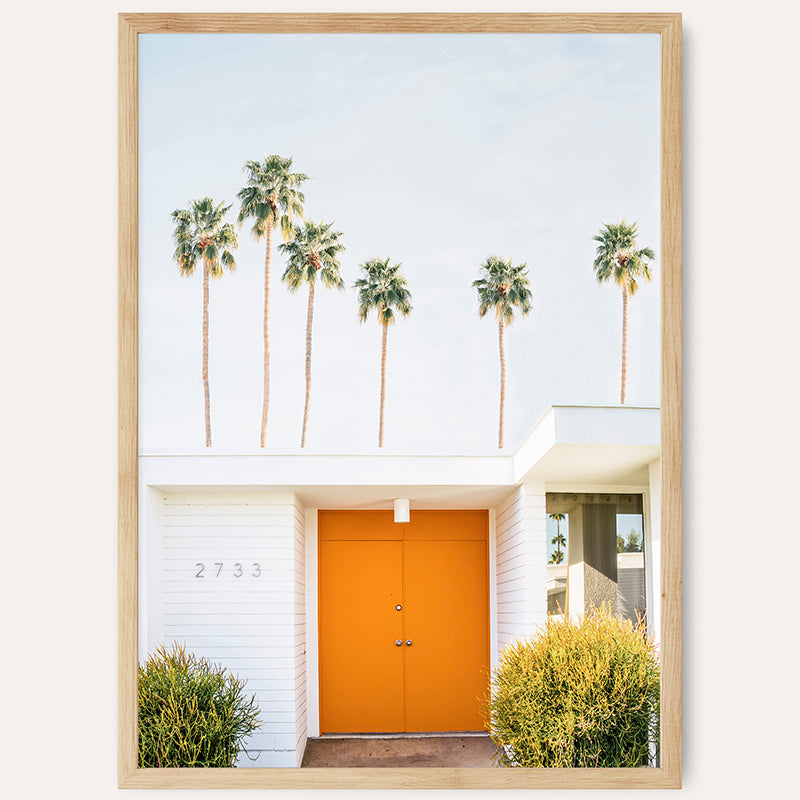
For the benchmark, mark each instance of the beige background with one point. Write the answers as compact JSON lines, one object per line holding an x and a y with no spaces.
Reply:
{"x":58,"y":397}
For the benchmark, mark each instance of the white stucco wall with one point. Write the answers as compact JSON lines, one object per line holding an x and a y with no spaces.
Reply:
{"x":576,"y":596}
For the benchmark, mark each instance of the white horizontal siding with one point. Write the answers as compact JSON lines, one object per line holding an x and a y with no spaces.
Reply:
{"x":299,"y":632}
{"x":630,"y":591}
{"x":521,"y":557}
{"x":253,"y":624}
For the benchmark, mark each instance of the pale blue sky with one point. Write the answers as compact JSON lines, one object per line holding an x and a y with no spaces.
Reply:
{"x":435,"y":151}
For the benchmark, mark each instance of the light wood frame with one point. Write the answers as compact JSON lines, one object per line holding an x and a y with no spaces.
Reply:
{"x":668,"y":774}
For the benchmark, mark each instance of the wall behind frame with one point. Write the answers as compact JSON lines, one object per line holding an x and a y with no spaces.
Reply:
{"x":58,"y":329}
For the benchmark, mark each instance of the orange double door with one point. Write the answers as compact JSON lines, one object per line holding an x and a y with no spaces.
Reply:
{"x":403,"y":621}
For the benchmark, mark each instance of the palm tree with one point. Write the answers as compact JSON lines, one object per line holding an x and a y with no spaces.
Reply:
{"x":384,"y":289}
{"x":313,"y":251}
{"x":271,"y":198}
{"x":201,"y":232}
{"x":503,"y":286}
{"x":618,"y":256}
{"x":558,"y":540}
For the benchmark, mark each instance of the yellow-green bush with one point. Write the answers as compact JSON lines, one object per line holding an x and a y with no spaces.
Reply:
{"x":192,"y":713}
{"x":577,"y":695}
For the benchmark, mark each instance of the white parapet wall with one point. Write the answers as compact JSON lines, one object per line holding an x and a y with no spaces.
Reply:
{"x":230,"y":572}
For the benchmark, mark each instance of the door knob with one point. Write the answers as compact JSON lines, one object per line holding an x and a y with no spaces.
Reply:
{"x":408,"y":642}
{"x":399,"y":642}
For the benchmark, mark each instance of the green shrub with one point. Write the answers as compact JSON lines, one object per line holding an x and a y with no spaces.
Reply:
{"x":192,"y":713}
{"x":577,"y":695}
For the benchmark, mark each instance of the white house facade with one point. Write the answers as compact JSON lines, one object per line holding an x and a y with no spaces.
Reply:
{"x":241,"y":554}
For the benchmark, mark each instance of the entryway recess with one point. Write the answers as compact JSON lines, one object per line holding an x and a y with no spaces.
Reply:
{"x":403,"y":621}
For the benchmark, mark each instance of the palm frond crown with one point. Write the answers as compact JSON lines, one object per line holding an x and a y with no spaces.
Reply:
{"x":619,"y":257}
{"x":384,"y":288}
{"x":313,"y":252}
{"x":202,"y":233}
{"x":271,"y":196}
{"x":503,"y":287}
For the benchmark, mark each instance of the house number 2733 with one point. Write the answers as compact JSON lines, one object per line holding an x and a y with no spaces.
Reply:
{"x":215,"y":571}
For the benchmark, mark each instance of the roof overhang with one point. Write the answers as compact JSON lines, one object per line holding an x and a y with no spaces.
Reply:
{"x":587,"y":445}
{"x":568,"y":446}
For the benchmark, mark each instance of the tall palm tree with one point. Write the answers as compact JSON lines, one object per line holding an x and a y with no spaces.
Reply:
{"x":313,"y":252}
{"x":270,"y":198}
{"x":558,"y":540}
{"x":618,"y":256}
{"x":201,"y":232}
{"x":384,"y":289}
{"x":503,"y":286}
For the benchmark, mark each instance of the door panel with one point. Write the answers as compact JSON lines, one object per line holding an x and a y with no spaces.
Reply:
{"x":436,"y":569}
{"x":446,"y":619}
{"x":359,"y":525}
{"x":430,"y":525}
{"x":361,"y":667}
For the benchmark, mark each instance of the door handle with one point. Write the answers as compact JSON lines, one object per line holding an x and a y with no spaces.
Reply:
{"x":408,"y":642}
{"x":399,"y":642}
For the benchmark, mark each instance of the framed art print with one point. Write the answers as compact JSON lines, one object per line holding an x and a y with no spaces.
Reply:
{"x":400,"y":401}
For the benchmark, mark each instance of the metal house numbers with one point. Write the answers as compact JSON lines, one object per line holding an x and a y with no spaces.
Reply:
{"x":218,"y":569}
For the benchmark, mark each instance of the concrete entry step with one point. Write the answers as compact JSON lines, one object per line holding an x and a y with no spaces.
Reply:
{"x":406,"y":751}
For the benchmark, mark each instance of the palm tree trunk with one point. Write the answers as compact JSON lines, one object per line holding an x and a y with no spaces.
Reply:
{"x":309,"y":321}
{"x":206,"y":395}
{"x":558,"y":539}
{"x":383,"y":384}
{"x":501,"y":328}
{"x":624,"y":341}
{"x":265,"y":404}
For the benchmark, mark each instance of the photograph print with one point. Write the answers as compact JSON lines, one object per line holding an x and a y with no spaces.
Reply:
{"x":399,"y":462}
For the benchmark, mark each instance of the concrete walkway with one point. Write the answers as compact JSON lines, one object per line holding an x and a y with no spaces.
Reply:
{"x":406,"y":751}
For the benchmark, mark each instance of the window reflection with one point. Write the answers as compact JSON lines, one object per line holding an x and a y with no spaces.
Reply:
{"x":595,"y":554}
